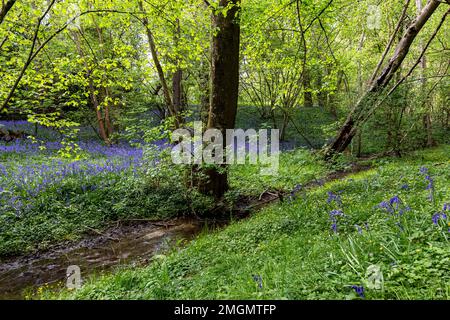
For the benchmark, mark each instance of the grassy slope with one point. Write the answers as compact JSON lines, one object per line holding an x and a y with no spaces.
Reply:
{"x":292,"y":247}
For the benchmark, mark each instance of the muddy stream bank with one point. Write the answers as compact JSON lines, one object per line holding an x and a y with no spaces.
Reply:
{"x":120,"y":245}
{"x":124,"y":244}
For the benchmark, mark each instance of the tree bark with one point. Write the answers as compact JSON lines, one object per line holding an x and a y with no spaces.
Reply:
{"x":423,"y":65}
{"x":5,"y":9}
{"x":31,"y":54}
{"x":162,"y":78}
{"x":359,"y":113}
{"x":102,"y":130}
{"x":224,"y":85}
{"x":177,"y":78}
{"x":307,"y":95}
{"x":205,"y":91}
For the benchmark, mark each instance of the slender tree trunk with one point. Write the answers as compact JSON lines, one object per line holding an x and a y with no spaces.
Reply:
{"x":284,"y":125}
{"x":332,"y":101}
{"x":106,"y":120}
{"x":307,"y":95}
{"x":31,"y":54}
{"x":108,"y":124}
{"x":360,"y":91}
{"x":224,"y":85}
{"x":359,"y":113}
{"x":423,"y":65}
{"x":95,"y":105}
{"x":103,"y":131}
{"x":5,"y":9}
{"x":177,"y":78}
{"x":162,"y":78}
{"x":321,"y":96}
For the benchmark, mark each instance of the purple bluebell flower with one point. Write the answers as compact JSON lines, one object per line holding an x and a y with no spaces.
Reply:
{"x":335,"y":213}
{"x":423,"y":170}
{"x":430,"y":182}
{"x":333,"y":217}
{"x":385,"y":205}
{"x":405,"y":187}
{"x":258,"y":279}
{"x":334,"y":197}
{"x":334,"y":227}
{"x":395,"y":200}
{"x":437,"y":216}
{"x":359,"y":290}
{"x":403,"y":210}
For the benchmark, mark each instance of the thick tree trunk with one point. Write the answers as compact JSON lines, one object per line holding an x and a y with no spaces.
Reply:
{"x":364,"y":106}
{"x":177,"y":91}
{"x":224,"y":85}
{"x":205,"y":92}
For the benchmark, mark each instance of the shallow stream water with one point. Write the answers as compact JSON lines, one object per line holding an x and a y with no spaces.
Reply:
{"x":117,"y":247}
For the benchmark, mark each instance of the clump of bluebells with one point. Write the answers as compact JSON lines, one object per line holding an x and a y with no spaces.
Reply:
{"x":441,"y":216}
{"x":333,"y":197}
{"x":396,"y":208}
{"x":359,"y":290}
{"x":334,"y":216}
{"x":430,"y":182}
{"x":405,"y":186}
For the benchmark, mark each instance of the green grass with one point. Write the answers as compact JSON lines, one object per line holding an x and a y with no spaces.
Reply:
{"x":295,"y":167}
{"x":292,"y":247}
{"x":69,"y":209}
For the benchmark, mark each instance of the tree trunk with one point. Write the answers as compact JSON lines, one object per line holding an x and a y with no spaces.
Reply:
{"x":162,"y":78}
{"x":177,"y":91}
{"x":95,"y":105}
{"x":224,"y":85}
{"x":307,"y":95}
{"x":365,"y":105}
{"x":427,"y":117}
{"x":5,"y":9}
{"x":177,"y":78}
{"x":205,"y":92}
{"x":321,"y":95}
{"x":31,"y":54}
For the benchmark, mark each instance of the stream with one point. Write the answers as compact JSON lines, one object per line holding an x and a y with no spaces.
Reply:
{"x":119,"y":246}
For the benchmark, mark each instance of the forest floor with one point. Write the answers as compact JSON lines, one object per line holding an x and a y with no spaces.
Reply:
{"x":129,"y":241}
{"x":56,"y":211}
{"x":382,"y":233}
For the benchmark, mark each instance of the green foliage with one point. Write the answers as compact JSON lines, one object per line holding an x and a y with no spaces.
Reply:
{"x":68,"y":209}
{"x":292,"y":247}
